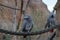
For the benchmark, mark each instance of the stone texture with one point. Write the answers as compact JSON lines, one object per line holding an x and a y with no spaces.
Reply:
{"x":36,"y":8}
{"x":57,"y":8}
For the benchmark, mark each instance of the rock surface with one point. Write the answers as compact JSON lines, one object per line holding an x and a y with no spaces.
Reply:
{"x":37,"y":9}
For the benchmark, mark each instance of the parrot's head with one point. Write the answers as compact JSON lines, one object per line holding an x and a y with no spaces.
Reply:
{"x":27,"y":17}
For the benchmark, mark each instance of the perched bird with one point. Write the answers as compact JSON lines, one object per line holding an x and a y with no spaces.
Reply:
{"x":27,"y":24}
{"x":50,"y":22}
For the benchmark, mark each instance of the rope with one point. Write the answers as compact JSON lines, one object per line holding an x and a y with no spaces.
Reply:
{"x":54,"y":34}
{"x":30,"y":33}
{"x":20,"y":15}
{"x":27,"y":4}
{"x":9,"y":7}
